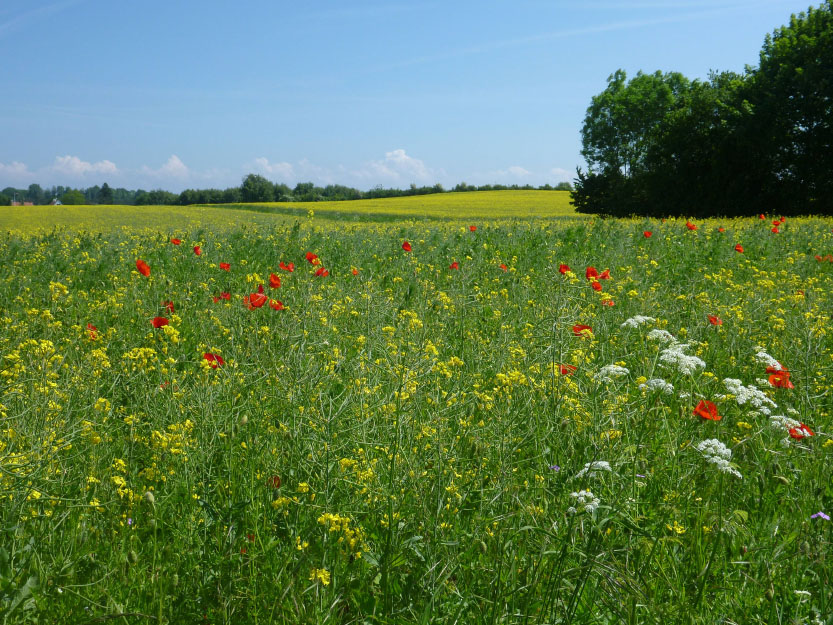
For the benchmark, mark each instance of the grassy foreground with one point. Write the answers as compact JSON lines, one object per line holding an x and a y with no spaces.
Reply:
{"x":427,"y":436}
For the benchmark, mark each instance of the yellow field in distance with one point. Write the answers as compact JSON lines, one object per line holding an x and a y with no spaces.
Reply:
{"x":479,"y":205}
{"x":468,"y":205}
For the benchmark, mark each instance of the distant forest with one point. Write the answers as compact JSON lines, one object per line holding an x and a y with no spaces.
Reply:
{"x":254,"y":188}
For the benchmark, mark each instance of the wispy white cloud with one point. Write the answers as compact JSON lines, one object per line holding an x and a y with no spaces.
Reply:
{"x":76,"y":168}
{"x":173,"y":168}
{"x":561,"y":175}
{"x":15,"y":173}
{"x":283,"y":171}
{"x":397,"y":167}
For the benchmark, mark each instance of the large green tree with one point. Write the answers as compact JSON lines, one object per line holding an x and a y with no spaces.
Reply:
{"x":256,"y":188}
{"x":793,"y":100}
{"x":105,"y":194}
{"x":621,"y":120}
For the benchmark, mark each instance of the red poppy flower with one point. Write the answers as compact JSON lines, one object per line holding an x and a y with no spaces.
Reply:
{"x":567,"y":369}
{"x":159,"y":322}
{"x":225,"y":266}
{"x":591,"y":273}
{"x":274,"y":281}
{"x":223,"y":295}
{"x":690,"y":226}
{"x":354,"y":271}
{"x":472,"y":228}
{"x":504,"y":267}
{"x":454,"y":265}
{"x":647,"y":234}
{"x":322,"y":272}
{"x":582,"y":330}
{"x":197,"y":250}
{"x":290,"y":267}
{"x":819,"y":258}
{"x":215,"y":360}
{"x":721,"y":229}
{"x":715,"y":321}
{"x":176,"y":241}
{"x":707,"y":410}
{"x":779,"y":378}
{"x":605,"y":275}
{"x":775,"y":230}
{"x":143,"y":268}
{"x":800,"y":432}
{"x":562,"y":269}
{"x":276,"y":304}
{"x":739,"y":248}
{"x":168,"y":305}
{"x":312,"y":259}
{"x":406,"y":246}
{"x":607,"y":302}
{"x":597,"y":286}
{"x":761,"y":216}
{"x":255,"y":300}
{"x":777,"y":222}
{"x":274,"y":481}
{"x":93,"y":331}
{"x":829,"y":258}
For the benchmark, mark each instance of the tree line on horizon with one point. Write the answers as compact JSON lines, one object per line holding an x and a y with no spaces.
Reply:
{"x":736,"y":144}
{"x":254,"y":188}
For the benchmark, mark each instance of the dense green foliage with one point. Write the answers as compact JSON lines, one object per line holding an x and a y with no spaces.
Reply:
{"x":735,"y":144}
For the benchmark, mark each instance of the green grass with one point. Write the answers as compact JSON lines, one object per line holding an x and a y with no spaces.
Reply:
{"x":400,"y":445}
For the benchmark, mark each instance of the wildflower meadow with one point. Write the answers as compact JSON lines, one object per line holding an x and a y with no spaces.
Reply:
{"x":247,"y":417}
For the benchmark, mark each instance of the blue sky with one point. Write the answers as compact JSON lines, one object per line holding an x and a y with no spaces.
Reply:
{"x":174,"y":94}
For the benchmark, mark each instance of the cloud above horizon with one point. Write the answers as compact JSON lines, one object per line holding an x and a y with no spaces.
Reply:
{"x":396,"y":169}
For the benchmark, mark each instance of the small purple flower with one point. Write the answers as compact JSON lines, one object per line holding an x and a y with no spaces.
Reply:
{"x":820,"y":514}
{"x":639,"y":475}
{"x":555,"y":467}
{"x":129,"y":521}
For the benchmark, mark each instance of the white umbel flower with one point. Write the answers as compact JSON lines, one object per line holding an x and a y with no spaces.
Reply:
{"x":609,"y":373}
{"x":658,"y":384}
{"x":591,"y":469}
{"x":675,"y":356}
{"x":718,"y":454}
{"x":749,"y":395}
{"x":586,"y":501}
{"x":638,"y":320}
{"x":661,"y":336}
{"x":762,"y":357}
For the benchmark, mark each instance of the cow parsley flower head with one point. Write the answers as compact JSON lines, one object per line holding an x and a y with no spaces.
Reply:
{"x":657,"y":384}
{"x":592,"y":468}
{"x":762,"y":357}
{"x":675,"y":356}
{"x":609,"y":373}
{"x":638,"y":320}
{"x":586,"y":501}
{"x":718,"y":454}
{"x":661,"y":336}
{"x":749,"y":395}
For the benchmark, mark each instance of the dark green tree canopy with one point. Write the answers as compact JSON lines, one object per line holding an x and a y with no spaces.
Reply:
{"x":737,"y":144}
